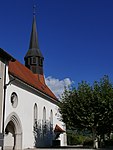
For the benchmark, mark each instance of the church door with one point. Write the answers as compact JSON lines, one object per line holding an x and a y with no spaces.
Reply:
{"x":13,"y":134}
{"x":10,"y":136}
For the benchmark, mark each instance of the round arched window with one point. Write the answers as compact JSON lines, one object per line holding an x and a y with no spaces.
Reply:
{"x":14,"y":99}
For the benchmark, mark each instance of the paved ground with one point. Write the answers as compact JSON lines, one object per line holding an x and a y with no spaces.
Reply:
{"x":69,"y":148}
{"x":60,"y":149}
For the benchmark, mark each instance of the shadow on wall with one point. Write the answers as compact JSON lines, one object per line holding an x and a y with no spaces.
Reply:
{"x":43,"y":134}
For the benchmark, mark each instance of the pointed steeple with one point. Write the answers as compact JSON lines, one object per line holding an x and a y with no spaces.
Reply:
{"x":34,"y":58}
{"x":34,"y":45}
{"x":34,"y":37}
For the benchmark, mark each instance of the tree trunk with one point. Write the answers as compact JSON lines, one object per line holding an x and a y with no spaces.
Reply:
{"x":95,"y":139}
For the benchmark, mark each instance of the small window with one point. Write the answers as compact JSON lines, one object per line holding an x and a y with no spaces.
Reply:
{"x":40,"y":62}
{"x":33,"y":60}
{"x":14,"y":100}
{"x":28,"y":61}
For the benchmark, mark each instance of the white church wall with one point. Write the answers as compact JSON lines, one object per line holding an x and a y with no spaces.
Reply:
{"x":25,"y":110}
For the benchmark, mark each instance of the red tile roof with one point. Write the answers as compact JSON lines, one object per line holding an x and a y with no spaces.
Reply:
{"x":58,"y":129}
{"x":23,"y":73}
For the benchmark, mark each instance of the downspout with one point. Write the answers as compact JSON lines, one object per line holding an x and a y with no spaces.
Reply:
{"x":4,"y":100}
{"x":4,"y":104}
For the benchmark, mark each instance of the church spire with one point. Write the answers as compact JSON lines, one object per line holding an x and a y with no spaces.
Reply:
{"x":34,"y":45}
{"x":34,"y":58}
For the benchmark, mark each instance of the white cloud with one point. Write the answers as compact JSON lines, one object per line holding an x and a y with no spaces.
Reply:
{"x":57,"y":86}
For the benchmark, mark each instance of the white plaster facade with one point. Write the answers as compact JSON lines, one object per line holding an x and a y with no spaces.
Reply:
{"x":19,"y":120}
{"x":24,"y":112}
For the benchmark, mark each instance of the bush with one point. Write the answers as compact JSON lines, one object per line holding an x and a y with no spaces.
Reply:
{"x":75,"y":139}
{"x":108,"y":143}
{"x":88,"y":142}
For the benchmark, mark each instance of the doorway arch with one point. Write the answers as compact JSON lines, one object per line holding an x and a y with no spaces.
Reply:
{"x":13,"y":133}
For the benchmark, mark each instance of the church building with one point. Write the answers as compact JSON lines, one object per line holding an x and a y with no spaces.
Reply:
{"x":29,"y":115}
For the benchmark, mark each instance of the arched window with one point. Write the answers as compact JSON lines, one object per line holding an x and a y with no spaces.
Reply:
{"x":51,"y":117}
{"x":44,"y":115}
{"x":35,"y":113}
{"x":51,"y":121}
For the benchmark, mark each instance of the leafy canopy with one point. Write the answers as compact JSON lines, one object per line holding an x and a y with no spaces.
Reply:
{"x":89,"y":107}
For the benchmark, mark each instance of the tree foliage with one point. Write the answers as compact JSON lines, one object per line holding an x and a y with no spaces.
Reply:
{"x":89,"y":107}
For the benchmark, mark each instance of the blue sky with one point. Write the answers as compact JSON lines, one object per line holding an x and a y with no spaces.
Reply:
{"x":75,"y":36}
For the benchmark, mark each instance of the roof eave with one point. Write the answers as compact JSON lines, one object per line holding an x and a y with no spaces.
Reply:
{"x":45,"y":94}
{"x":6,"y":56}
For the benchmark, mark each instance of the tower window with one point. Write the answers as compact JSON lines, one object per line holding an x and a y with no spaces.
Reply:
{"x":33,"y":60}
{"x":28,"y":61}
{"x":40,"y":62}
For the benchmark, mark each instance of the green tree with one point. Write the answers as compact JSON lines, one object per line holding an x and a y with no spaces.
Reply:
{"x":89,"y":107}
{"x":105,"y":96}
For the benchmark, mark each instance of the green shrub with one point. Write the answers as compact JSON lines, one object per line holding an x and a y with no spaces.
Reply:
{"x":108,"y":143}
{"x":88,"y":142}
{"x":75,"y":139}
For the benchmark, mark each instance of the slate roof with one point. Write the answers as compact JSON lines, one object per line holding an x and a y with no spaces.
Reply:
{"x":23,"y":73}
{"x":34,"y":49}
